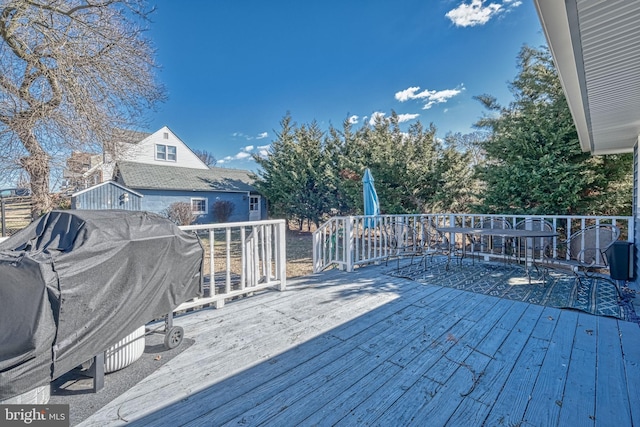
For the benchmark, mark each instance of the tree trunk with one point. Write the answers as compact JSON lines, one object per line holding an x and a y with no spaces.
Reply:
{"x":37,"y":166}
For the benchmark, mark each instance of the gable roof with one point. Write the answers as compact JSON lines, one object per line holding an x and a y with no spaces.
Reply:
{"x":157,"y":177}
{"x":129,"y":136}
{"x":186,"y":157}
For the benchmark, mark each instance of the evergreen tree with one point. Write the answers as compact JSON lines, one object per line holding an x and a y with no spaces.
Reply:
{"x":296,"y":177}
{"x":274,"y":180}
{"x":534,"y":163}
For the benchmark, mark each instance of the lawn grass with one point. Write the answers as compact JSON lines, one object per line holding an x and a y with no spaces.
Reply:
{"x":298,"y":245}
{"x":299,"y":253}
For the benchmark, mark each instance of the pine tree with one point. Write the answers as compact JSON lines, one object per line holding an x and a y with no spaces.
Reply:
{"x":534,"y":163}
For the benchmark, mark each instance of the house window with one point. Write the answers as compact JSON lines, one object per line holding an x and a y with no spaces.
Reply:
{"x":198,"y":205}
{"x":254,"y":203}
{"x":171,"y":153}
{"x":166,"y":135}
{"x":166,"y":152}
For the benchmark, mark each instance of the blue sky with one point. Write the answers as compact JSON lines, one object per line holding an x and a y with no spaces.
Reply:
{"x":234,"y":68}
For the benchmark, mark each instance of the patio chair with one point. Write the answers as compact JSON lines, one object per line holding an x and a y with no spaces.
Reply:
{"x":433,"y":242}
{"x":401,"y":240}
{"x":492,"y":244}
{"x":534,"y":245}
{"x":584,"y":252}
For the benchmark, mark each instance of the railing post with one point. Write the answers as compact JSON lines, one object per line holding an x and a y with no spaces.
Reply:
{"x":315,"y":242}
{"x":3,"y":215}
{"x":282,"y":256}
{"x":348,"y":247}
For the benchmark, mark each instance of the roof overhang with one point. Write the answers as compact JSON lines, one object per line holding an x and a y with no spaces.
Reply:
{"x":596,"y":49}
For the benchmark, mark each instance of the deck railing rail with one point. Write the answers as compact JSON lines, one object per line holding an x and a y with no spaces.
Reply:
{"x":240,"y":258}
{"x":347,"y":242}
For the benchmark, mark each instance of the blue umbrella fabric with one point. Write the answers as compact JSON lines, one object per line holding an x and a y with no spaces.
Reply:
{"x":371,"y":202}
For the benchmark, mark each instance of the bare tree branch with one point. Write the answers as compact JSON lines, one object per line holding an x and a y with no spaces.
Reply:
{"x":70,"y":72}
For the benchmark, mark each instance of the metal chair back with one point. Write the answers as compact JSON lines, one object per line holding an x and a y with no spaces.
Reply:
{"x":536,"y":244}
{"x":433,"y":241}
{"x":495,"y":244}
{"x":587,"y":247}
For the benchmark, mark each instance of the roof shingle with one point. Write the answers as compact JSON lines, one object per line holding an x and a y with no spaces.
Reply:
{"x":157,"y":177}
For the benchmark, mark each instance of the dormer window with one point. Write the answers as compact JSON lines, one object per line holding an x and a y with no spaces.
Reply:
{"x":166,"y":152}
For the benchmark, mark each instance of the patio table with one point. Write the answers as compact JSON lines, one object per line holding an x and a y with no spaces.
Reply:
{"x":527,"y":236}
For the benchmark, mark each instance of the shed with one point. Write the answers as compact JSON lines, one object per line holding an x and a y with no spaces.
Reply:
{"x":107,"y":195}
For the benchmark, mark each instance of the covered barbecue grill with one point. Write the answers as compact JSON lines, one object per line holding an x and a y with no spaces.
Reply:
{"x":75,"y":282}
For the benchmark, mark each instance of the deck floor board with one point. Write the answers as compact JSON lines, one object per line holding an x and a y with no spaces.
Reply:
{"x":365,"y":348}
{"x":612,"y":398}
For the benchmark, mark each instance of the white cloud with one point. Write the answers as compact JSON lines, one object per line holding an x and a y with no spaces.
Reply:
{"x":353,"y":119}
{"x":430,"y":97}
{"x":249,"y":137}
{"x":407,"y":94}
{"x":406,"y":117}
{"x":263,"y":150}
{"x":479,"y":13}
{"x":246,"y":153}
{"x":376,"y":116}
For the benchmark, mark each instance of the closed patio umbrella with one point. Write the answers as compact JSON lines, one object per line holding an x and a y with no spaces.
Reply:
{"x":371,"y":202}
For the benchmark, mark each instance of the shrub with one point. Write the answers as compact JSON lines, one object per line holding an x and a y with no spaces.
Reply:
{"x":222,"y":210}
{"x":180,"y":213}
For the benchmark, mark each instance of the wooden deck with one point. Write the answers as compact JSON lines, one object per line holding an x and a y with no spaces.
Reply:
{"x":365,"y":348}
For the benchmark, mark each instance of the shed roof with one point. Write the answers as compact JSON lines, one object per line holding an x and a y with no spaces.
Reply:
{"x":157,"y":177}
{"x":106,"y":183}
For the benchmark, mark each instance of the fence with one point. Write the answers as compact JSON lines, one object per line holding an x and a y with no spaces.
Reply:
{"x":15,"y":214}
{"x":348,"y":242}
{"x":240,"y":258}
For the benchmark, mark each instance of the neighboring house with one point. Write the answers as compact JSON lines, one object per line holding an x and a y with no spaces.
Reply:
{"x":84,"y":170}
{"x":160,"y":169}
{"x":162,"y":185}
{"x":162,"y":147}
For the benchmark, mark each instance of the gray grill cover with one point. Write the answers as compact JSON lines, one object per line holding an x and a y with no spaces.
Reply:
{"x":74,"y":283}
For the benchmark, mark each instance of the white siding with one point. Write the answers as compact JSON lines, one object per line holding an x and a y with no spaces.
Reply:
{"x":145,"y":151}
{"x":636,"y":216}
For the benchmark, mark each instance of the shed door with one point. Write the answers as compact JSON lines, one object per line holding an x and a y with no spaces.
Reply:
{"x":254,"y":208}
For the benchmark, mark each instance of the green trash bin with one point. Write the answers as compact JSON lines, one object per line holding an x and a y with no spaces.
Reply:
{"x":620,"y":256}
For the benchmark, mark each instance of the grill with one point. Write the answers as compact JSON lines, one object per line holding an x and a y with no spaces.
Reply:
{"x":77,"y":283}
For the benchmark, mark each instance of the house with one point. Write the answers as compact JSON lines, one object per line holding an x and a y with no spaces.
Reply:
{"x":162,"y":185}
{"x":162,"y":147}
{"x":84,"y":170}
{"x":81,"y":171}
{"x":159,"y":170}
{"x":595,"y":47}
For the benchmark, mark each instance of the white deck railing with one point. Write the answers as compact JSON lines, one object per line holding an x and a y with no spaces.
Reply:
{"x":347,"y":242}
{"x":240,"y":258}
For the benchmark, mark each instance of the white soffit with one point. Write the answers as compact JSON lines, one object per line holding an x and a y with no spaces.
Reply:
{"x":596,"y":49}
